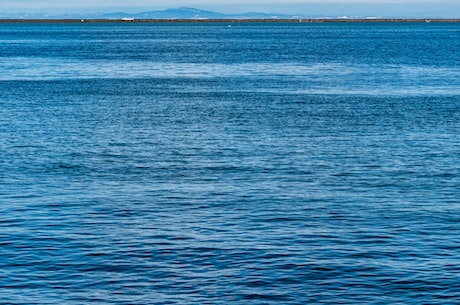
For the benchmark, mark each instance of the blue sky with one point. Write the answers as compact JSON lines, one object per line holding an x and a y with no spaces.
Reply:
{"x":435,"y":8}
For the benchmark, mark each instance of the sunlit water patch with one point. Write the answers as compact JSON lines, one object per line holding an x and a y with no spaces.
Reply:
{"x":319,"y":78}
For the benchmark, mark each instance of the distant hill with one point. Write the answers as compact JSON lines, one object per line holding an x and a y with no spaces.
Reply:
{"x":179,"y":13}
{"x":172,"y":13}
{"x":193,"y":13}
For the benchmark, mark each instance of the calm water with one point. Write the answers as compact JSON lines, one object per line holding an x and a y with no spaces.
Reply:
{"x":208,"y":164}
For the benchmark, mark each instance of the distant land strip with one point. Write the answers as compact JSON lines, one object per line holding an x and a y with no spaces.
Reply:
{"x":298,"y":20}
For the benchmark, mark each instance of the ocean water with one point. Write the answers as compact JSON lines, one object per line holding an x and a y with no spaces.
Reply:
{"x":213,"y":164}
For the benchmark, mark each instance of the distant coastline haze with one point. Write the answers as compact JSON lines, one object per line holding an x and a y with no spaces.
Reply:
{"x":309,"y":8}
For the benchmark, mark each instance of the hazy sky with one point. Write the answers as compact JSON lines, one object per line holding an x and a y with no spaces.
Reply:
{"x":449,"y":8}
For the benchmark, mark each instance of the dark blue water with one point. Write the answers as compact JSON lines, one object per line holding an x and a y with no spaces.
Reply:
{"x":208,"y":164}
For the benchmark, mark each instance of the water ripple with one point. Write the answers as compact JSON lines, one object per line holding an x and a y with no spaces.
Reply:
{"x":272,"y":164}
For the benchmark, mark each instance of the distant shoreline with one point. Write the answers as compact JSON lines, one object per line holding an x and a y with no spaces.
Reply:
{"x":300,"y":20}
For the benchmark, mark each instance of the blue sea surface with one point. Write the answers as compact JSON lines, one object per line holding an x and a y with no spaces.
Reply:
{"x":202,"y":163}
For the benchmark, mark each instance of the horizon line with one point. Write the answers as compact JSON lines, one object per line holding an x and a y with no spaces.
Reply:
{"x":234,"y":20}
